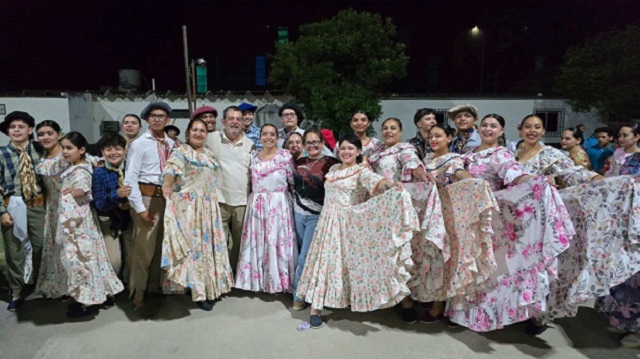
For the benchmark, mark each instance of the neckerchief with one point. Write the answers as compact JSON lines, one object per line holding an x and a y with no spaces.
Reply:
{"x":118,"y":170}
{"x":163,"y":148}
{"x":27,"y":172}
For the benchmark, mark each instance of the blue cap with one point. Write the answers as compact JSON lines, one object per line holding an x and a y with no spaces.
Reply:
{"x":247,"y":107}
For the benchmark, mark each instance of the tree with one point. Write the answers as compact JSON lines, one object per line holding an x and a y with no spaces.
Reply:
{"x":339,"y":66}
{"x":604,"y":73}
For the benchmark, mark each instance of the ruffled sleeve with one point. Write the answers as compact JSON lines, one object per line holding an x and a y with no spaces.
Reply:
{"x":289,"y":166}
{"x":505,"y":166}
{"x":81,"y":178}
{"x":51,"y":167}
{"x":369,"y":179}
{"x":453,"y":165}
{"x":176,"y":163}
{"x":563,"y":167}
{"x":408,"y":158}
{"x":580,"y":158}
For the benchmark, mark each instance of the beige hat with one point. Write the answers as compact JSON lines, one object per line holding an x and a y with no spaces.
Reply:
{"x":462,"y":108}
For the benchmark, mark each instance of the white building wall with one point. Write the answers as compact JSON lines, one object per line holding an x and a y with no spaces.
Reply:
{"x":41,"y":108}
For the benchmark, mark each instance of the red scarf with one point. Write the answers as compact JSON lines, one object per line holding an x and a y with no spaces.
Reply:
{"x":163,"y":148}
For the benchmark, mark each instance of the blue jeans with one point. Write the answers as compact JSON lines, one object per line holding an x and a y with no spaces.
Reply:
{"x":305,"y":226}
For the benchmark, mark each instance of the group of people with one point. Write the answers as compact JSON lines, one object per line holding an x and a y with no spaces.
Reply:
{"x":482,"y":235}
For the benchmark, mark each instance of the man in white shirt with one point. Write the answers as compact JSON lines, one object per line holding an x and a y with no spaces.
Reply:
{"x":291,"y":116}
{"x":233,"y":150}
{"x":146,"y":158}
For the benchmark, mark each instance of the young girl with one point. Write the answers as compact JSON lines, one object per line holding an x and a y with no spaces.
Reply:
{"x":628,"y":137}
{"x":90,"y":276}
{"x":467,"y":261}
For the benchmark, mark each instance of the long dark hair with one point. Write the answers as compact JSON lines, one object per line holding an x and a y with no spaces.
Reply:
{"x":576,"y":133}
{"x":190,"y":126}
{"x":78,"y":140}
{"x":502,"y":140}
{"x":354,"y":140}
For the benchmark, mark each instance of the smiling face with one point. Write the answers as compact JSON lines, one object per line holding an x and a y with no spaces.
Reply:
{"x":438,"y":140}
{"x":360,"y":123}
{"x":626,"y":138}
{"x":247,"y":119}
{"x":233,"y":123}
{"x":532,"y":130}
{"x":313,"y":144}
{"x":348,"y":153}
{"x":391,"y":132}
{"x":294,"y":144}
{"x":210,"y":119}
{"x":113,"y":154}
{"x":268,"y":137}
{"x":568,"y":141}
{"x":426,"y":122}
{"x":48,"y":137}
{"x":464,"y":121}
{"x":71,"y":153}
{"x":131,"y":126}
{"x":490,"y":131}
{"x":197,"y":134}
{"x":19,"y":131}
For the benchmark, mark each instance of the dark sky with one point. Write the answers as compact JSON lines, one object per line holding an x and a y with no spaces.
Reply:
{"x":81,"y":45}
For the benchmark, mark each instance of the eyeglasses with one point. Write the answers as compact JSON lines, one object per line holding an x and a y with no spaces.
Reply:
{"x":287,"y":115}
{"x":154,"y":117}
{"x":313,"y":143}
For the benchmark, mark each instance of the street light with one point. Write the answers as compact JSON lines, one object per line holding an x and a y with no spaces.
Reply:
{"x":477,"y":35}
{"x":198,"y":78}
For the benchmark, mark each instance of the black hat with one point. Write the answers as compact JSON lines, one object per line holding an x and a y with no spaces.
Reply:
{"x":16,"y":115}
{"x":155,"y":106}
{"x":172,"y":127}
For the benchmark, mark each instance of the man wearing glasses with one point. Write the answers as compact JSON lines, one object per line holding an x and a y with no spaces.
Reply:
{"x":233,"y":149}
{"x":146,"y":159}
{"x":291,"y":116}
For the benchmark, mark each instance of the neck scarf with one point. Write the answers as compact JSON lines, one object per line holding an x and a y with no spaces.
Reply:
{"x":27,"y":173}
{"x":117,"y":170}
{"x":163,"y":148}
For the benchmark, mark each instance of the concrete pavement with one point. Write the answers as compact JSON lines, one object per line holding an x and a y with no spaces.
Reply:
{"x":247,"y":325}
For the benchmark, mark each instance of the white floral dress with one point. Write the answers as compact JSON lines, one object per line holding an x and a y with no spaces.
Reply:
{"x":89,"y":274}
{"x":360,"y":255}
{"x":530,"y":232}
{"x":268,"y":249}
{"x":194,"y":249}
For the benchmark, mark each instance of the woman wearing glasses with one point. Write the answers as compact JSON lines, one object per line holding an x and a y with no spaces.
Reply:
{"x":308,"y":195}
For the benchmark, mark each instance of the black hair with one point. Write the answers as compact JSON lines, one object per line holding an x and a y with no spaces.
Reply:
{"x":421,"y":113}
{"x":634,"y":128}
{"x":78,"y":140}
{"x":292,"y":133}
{"x":230,"y":108}
{"x":393,"y":119}
{"x":49,"y":123}
{"x":362,"y":112}
{"x":295,"y":108}
{"x":171,"y":127}
{"x":580,"y":125}
{"x":544,"y":125}
{"x":502,"y":140}
{"x":576,"y":133}
{"x":313,"y":131}
{"x":607,"y":130}
{"x":132,"y":115}
{"x":447,"y":129}
{"x":111,"y":140}
{"x":190,"y":126}
{"x":268,"y":125}
{"x":354,"y":140}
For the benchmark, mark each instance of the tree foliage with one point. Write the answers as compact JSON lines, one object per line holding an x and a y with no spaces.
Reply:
{"x":339,"y":66}
{"x":604,"y":73}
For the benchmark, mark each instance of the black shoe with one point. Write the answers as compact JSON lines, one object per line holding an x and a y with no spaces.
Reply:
{"x":110,"y":302}
{"x":206,"y":305}
{"x":451,"y":324}
{"x":77,"y":310}
{"x":534,"y":330}
{"x":409,"y":315}
{"x":315,"y":321}
{"x":15,"y":304}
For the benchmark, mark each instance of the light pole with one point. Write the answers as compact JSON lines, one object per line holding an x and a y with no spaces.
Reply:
{"x":198,"y":78}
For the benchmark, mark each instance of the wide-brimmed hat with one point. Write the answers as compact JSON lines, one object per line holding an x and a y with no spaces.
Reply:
{"x":202,"y":110}
{"x":16,"y":115}
{"x":155,"y":106}
{"x":463,"y":108}
{"x":171,"y":127}
{"x":247,"y":107}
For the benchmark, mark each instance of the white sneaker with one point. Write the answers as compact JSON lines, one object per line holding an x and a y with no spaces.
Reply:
{"x":630,"y":341}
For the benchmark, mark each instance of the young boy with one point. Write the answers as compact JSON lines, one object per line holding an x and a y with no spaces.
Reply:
{"x":110,"y":199}
{"x":600,"y":152}
{"x":22,"y":210}
{"x":464,"y":117}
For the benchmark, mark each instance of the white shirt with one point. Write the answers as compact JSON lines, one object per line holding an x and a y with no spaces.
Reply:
{"x":143,"y":165}
{"x":234,"y":159}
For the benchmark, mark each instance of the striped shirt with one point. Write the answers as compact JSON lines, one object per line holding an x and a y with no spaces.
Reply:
{"x":9,"y":171}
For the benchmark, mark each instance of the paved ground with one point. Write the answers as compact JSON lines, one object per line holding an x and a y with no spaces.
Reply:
{"x":245,"y":325}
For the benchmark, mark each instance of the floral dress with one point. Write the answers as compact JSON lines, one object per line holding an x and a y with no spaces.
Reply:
{"x":580,"y":157}
{"x":268,"y":249}
{"x":617,"y":161}
{"x":428,"y":246}
{"x":89,"y":275}
{"x":622,"y":306}
{"x":604,"y":251}
{"x":360,"y":255}
{"x":52,"y":280}
{"x":194,"y":249}
{"x":368,"y":148}
{"x":467,"y":208}
{"x":531,"y":230}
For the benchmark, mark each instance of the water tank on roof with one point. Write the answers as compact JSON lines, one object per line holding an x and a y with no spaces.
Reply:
{"x":129,"y":80}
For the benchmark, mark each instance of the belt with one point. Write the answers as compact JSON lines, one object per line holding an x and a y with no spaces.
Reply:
{"x":150,"y":190}
{"x":33,"y":202}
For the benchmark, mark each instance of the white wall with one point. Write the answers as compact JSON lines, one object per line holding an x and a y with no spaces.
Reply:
{"x":41,"y":108}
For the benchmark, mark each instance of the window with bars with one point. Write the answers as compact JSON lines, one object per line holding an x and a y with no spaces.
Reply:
{"x":3,"y":109}
{"x":553,"y":119}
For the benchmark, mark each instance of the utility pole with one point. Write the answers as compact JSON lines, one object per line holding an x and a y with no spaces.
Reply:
{"x":186,"y":69}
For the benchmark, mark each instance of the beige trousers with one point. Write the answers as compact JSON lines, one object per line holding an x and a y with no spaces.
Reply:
{"x":114,"y":249}
{"x":147,"y":248}
{"x":232,"y":220}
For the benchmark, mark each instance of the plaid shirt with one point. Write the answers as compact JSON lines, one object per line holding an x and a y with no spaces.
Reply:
{"x":253,"y":133}
{"x":105,"y":190}
{"x":421,"y":145}
{"x":9,"y":172}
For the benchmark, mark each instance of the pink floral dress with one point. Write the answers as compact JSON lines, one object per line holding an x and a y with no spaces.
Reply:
{"x":194,"y":248}
{"x":89,"y":275}
{"x":530,"y":232}
{"x":604,"y":251}
{"x":268,"y":249}
{"x":429,"y":245}
{"x":467,"y":207}
{"x":617,"y":162}
{"x":360,"y":255}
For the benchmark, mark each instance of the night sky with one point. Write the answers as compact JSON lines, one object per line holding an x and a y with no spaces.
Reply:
{"x":81,"y":45}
